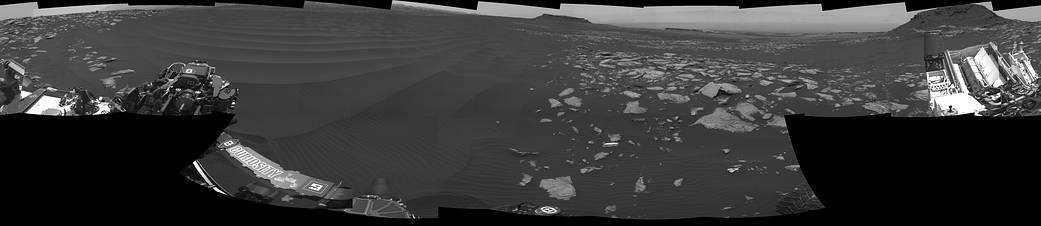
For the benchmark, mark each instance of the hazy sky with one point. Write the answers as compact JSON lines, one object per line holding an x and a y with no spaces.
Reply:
{"x":801,"y":18}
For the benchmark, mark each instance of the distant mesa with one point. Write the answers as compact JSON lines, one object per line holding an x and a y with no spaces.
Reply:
{"x":690,"y":29}
{"x":560,"y":18}
{"x":961,"y":16}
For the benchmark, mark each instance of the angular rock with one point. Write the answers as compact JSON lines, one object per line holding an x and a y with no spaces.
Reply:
{"x":559,"y":188}
{"x":777,"y":121}
{"x":885,"y":106}
{"x":734,"y":169}
{"x":760,"y":97}
{"x":654,"y":75}
{"x":677,"y":182}
{"x":747,"y":109}
{"x":695,"y":110}
{"x":525,"y":180}
{"x":640,"y":187}
{"x":554,"y":103}
{"x":633,"y":107}
{"x":631,"y":94}
{"x":721,"y":119}
{"x":566,"y":92}
{"x":710,"y":90}
{"x":122,"y":72}
{"x":573,"y":101}
{"x":588,"y":169}
{"x":789,"y":94}
{"x":674,"y":98}
{"x":729,"y":88}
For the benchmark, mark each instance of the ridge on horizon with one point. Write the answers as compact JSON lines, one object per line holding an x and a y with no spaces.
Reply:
{"x":959,"y":15}
{"x":561,"y":18}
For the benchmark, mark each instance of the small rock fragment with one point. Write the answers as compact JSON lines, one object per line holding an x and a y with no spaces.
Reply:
{"x":631,"y":94}
{"x":122,"y":72}
{"x":566,"y":92}
{"x":554,"y":103}
{"x":633,"y":107}
{"x":525,"y":180}
{"x":640,"y":187}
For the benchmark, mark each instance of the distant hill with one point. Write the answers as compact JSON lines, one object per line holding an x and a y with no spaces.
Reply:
{"x":425,"y":11}
{"x":560,"y":18}
{"x":691,"y":29}
{"x":969,"y":15}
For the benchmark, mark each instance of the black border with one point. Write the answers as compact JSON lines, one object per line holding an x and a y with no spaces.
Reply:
{"x":551,"y":4}
{"x":870,"y":169}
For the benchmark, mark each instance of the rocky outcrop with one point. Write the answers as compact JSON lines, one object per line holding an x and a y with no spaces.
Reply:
{"x":560,"y":18}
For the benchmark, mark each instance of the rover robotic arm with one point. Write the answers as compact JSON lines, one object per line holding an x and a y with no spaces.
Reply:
{"x":181,"y":89}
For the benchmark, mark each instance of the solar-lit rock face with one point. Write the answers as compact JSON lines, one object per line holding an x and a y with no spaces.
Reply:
{"x":961,"y":15}
{"x":799,"y":200}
